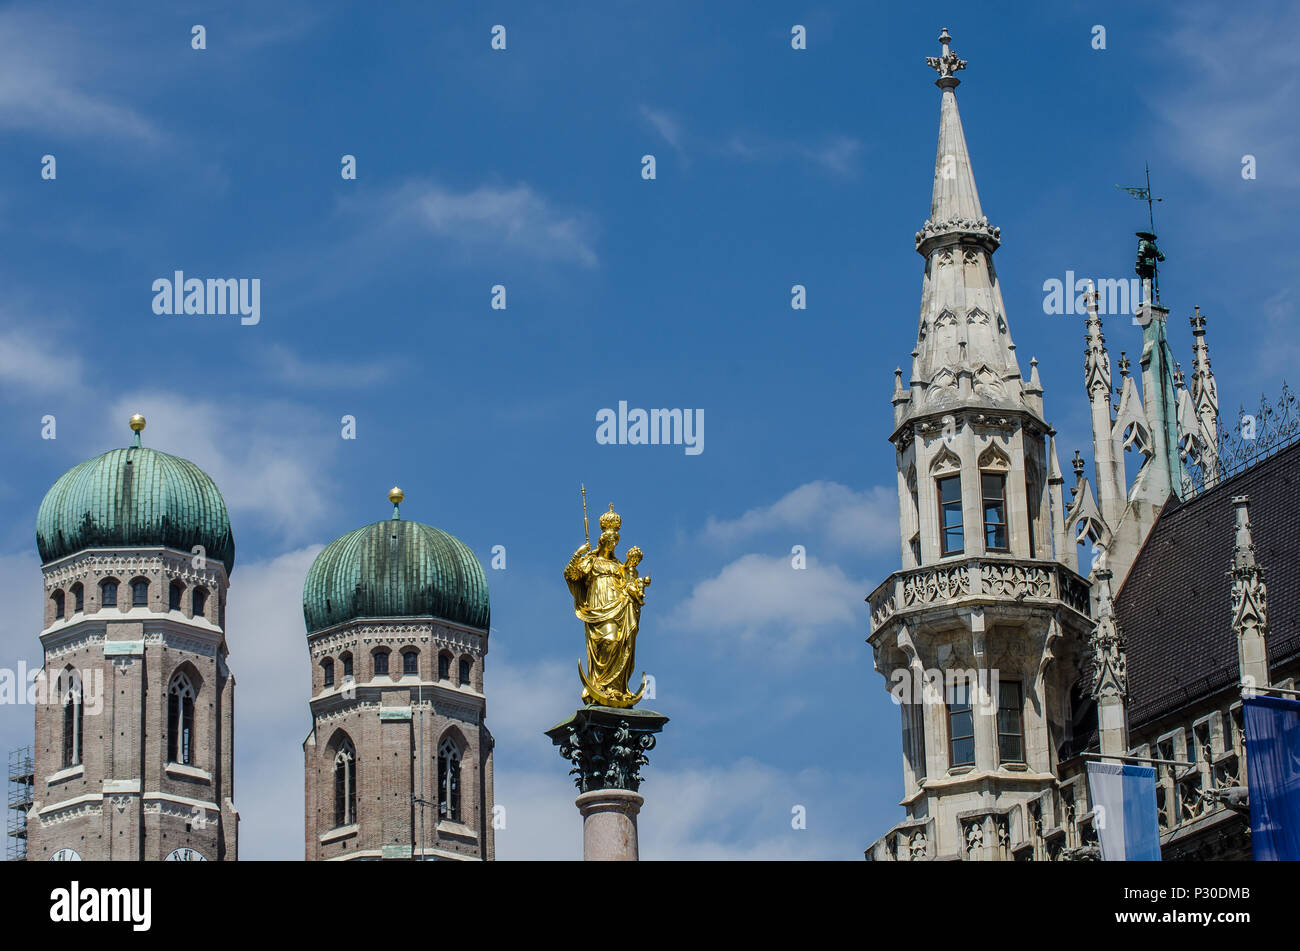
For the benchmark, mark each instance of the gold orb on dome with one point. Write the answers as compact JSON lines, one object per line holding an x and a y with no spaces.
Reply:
{"x":395,"y":495}
{"x":137,"y":422}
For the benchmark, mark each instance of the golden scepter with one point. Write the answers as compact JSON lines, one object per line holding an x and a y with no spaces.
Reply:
{"x":586,"y":530}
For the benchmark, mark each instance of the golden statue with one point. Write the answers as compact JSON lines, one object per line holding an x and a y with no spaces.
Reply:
{"x":607,"y":598}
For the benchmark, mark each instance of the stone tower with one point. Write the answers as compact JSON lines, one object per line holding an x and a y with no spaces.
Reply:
{"x":982,"y":636}
{"x":399,"y":761}
{"x":134,"y":746}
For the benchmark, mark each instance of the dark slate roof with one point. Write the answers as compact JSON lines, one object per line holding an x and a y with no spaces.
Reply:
{"x":1175,"y":607}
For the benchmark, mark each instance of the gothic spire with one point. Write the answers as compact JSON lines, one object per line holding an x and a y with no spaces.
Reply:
{"x":954,"y":193}
{"x":1249,"y":601}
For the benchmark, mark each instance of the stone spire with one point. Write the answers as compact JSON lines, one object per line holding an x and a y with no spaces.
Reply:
{"x":965,"y":355}
{"x":1249,"y":601}
{"x":1205,"y":402}
{"x":1107,"y":451}
{"x":1109,"y":670}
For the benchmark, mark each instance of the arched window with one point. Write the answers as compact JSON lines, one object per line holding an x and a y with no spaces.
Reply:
{"x":70,"y":690}
{"x":345,"y":785}
{"x":346,"y":658}
{"x":381,"y":662}
{"x":410,"y":662}
{"x":444,"y":666}
{"x":180,"y":721}
{"x":108,"y":593}
{"x":174,"y":596}
{"x":466,"y":665}
{"x":78,"y":598}
{"x":140,"y":593}
{"x":58,"y":604}
{"x":449,"y":781}
{"x":200,"y":601}
{"x":327,"y":666}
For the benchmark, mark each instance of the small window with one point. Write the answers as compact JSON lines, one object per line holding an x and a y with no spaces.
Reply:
{"x":174,"y":596}
{"x":108,"y":594}
{"x":444,"y":667}
{"x":139,"y":593}
{"x":58,"y":604}
{"x":1011,"y":728}
{"x":78,"y":598}
{"x":180,"y":721}
{"x":465,"y":666}
{"x":950,"y":527}
{"x":200,"y":601}
{"x":345,"y":785}
{"x":961,"y":727}
{"x":410,"y":662}
{"x":994,"y":487}
{"x":381,"y":662}
{"x":327,"y":666}
{"x":347,"y":665}
{"x":73,"y":713}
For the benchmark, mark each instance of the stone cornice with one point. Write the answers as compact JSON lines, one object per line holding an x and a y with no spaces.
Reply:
{"x":374,"y":632}
{"x":94,"y":562}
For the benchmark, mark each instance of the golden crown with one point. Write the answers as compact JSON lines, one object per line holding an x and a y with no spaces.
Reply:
{"x":611,"y":520}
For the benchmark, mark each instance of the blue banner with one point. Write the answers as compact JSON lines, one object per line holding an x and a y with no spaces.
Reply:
{"x":1124,"y":810}
{"x":1273,"y":772}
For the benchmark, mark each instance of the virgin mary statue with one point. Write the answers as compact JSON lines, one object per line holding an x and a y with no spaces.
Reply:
{"x":607,"y":598}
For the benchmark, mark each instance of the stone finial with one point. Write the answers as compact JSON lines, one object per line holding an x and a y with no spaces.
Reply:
{"x":1249,"y":601}
{"x":1124,"y":363}
{"x":1078,"y":464}
{"x":946,"y":63}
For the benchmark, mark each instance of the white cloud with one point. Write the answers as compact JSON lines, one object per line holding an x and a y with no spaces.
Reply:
{"x":836,"y":154}
{"x":268,"y":458}
{"x":297,"y":370}
{"x":740,"y":810}
{"x":35,"y":362}
{"x":846,"y":518}
{"x":1279,"y":350}
{"x":665,"y":124}
{"x":764,"y":599}
{"x":1227,"y":97}
{"x":515,"y":218}
{"x":52,"y":80}
{"x":268,"y":656}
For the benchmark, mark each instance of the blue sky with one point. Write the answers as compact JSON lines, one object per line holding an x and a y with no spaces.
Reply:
{"x":523,"y":168}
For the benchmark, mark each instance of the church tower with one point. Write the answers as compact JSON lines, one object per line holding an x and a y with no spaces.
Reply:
{"x":399,"y":761}
{"x":134,"y":749}
{"x":982,"y":636}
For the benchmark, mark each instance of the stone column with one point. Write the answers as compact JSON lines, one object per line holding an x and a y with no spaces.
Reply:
{"x":609,"y":825}
{"x":607,"y":747}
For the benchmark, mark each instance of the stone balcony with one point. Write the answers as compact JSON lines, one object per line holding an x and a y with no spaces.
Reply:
{"x":975,"y":581}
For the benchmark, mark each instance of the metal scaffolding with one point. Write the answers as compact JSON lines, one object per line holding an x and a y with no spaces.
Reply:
{"x":22,"y":779}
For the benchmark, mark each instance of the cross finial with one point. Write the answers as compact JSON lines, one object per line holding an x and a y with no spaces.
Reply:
{"x":1198,"y":322}
{"x":1124,"y":363}
{"x":1077,"y":463}
{"x":1179,"y":378}
{"x":945,"y":64}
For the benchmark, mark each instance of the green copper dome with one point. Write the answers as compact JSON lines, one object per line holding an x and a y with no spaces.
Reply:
{"x":393,"y":569}
{"x":132,"y":498}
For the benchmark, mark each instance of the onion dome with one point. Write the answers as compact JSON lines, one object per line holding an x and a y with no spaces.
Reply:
{"x":134,"y":498}
{"x":395,"y":569}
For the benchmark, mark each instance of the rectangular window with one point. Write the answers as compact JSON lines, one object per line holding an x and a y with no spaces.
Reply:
{"x":1011,"y":727}
{"x":994,"y":487}
{"x":950,"y":528}
{"x":961,"y":727}
{"x":410,"y":663}
{"x":381,"y":662}
{"x":139,"y":594}
{"x":109,"y":595}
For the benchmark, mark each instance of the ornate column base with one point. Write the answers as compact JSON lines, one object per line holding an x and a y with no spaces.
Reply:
{"x":609,"y":825}
{"x":607,"y":747}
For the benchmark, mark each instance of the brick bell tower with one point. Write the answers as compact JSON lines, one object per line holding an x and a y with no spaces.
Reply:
{"x":982,"y":635}
{"x":398,"y":762}
{"x":134,"y":749}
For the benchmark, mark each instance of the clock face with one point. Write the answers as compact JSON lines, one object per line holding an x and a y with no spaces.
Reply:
{"x":185,"y":855}
{"x":65,"y":855}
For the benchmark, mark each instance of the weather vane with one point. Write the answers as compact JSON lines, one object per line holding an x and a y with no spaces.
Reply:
{"x":1143,"y":194}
